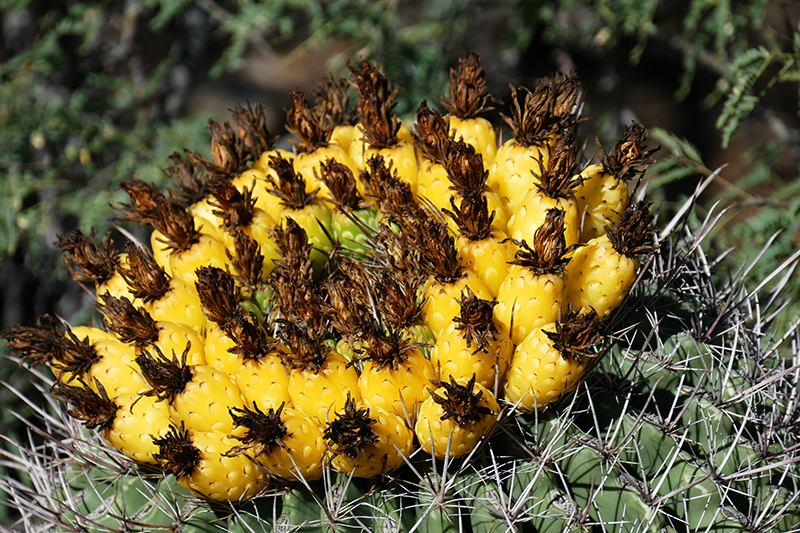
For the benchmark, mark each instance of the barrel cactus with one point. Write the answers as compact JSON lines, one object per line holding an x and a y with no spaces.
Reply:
{"x":410,"y":329}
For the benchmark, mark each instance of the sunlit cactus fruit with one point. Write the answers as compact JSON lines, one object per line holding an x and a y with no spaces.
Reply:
{"x":534,"y":290}
{"x":367,"y":442}
{"x":201,"y":463}
{"x":473,"y":345}
{"x":285,"y":441}
{"x":550,"y":360}
{"x":466,"y":102}
{"x":404,"y":326}
{"x":456,"y":416}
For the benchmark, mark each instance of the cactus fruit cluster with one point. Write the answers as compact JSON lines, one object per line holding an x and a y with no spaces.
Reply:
{"x":393,"y":328}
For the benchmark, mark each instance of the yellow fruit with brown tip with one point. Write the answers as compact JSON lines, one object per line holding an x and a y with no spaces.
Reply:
{"x":456,"y":416}
{"x":368,"y":442}
{"x":285,"y":441}
{"x":201,"y":463}
{"x":138,"y":421}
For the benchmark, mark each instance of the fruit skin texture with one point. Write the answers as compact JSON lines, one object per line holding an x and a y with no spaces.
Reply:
{"x":302,"y":446}
{"x":531,"y":213}
{"x":478,"y":133}
{"x":264,"y":381}
{"x":219,"y":477}
{"x":180,"y":304}
{"x":204,"y":403}
{"x":538,"y":373}
{"x":488,"y":258}
{"x":529,"y":300}
{"x":394,"y":442}
{"x":434,"y":184}
{"x":174,"y":337}
{"x":464,"y":438}
{"x":116,"y":286}
{"x":610,"y":198}
{"x":398,"y":390}
{"x":512,"y":172}
{"x":116,"y":370}
{"x":599,"y":277}
{"x":452,"y":357}
{"x":321,"y":394}
{"x":206,"y":252}
{"x":138,"y":420}
{"x":217,"y":344}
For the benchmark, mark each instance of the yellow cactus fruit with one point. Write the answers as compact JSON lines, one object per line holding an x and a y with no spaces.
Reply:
{"x":285,"y":441}
{"x":473,"y":345}
{"x":534,"y":290}
{"x":603,"y":193}
{"x":466,"y":102}
{"x":198,"y":396}
{"x":553,"y":189}
{"x":551,"y":361}
{"x":456,"y":416}
{"x":367,"y":442}
{"x":200,"y":462}
{"x":601,"y":274}
{"x":394,"y":374}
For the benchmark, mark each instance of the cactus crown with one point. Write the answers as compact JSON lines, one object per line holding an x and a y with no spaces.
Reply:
{"x":291,"y":186}
{"x":176,"y":453}
{"x":218,"y":294}
{"x":247,"y":261}
{"x":376,"y":100}
{"x":465,"y":168}
{"x":459,"y":402}
{"x":305,"y":352}
{"x":475,"y":320}
{"x":254,"y":134}
{"x":472,"y":216}
{"x":230,"y":152}
{"x":93,"y":409}
{"x":264,"y":431}
{"x":439,"y":251}
{"x":332,"y":101}
{"x":151,"y":208}
{"x":252,"y":342}
{"x":628,"y":158}
{"x":558,"y":179}
{"x":634,"y":233}
{"x":576,"y":335}
{"x":234,"y":207}
{"x":46,"y":344}
{"x":468,"y":96}
{"x":431,"y":133}
{"x":342,"y":185}
{"x":386,"y":349}
{"x":146,"y":278}
{"x":167,"y":376}
{"x":350,"y":432}
{"x":131,"y":325}
{"x":88,"y":263}
{"x":190,"y":183}
{"x":309,"y":124}
{"x":547,"y":255}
